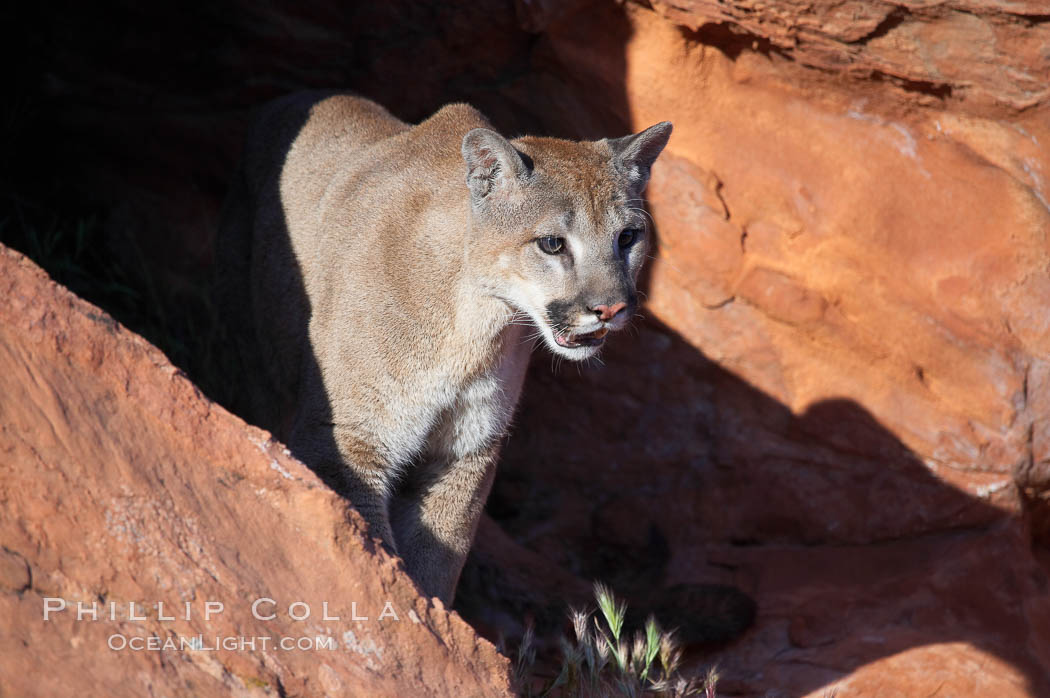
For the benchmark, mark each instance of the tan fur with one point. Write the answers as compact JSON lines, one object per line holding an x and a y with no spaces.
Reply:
{"x":385,"y":278}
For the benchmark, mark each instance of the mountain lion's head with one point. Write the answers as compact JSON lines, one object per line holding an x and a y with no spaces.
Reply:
{"x":563,"y":228}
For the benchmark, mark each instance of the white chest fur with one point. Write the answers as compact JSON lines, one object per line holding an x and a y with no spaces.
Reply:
{"x":485,"y":405}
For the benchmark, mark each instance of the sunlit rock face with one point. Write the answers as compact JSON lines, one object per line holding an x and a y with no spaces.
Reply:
{"x":140,"y":517}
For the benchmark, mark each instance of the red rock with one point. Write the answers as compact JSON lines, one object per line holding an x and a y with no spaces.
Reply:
{"x":832,"y":390}
{"x":120,"y":483}
{"x":702,"y":229}
{"x":987,"y":53}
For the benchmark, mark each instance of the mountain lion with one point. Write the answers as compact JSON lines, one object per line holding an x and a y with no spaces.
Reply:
{"x":384,"y":282}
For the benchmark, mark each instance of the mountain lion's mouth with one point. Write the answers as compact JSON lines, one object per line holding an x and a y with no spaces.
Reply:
{"x":590,"y":339}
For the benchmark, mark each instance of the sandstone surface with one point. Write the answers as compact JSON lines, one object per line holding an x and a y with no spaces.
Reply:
{"x":849,"y":314}
{"x":121,"y":484}
{"x":980,"y":53}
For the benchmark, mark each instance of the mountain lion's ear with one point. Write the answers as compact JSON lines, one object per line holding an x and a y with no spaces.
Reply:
{"x":492,"y":162}
{"x":636,"y":154}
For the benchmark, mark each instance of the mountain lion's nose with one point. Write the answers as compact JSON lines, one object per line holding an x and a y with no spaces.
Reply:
{"x":606,"y":312}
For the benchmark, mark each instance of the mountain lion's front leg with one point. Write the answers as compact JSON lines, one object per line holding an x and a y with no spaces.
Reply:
{"x":435,"y":519}
{"x":369,"y":484}
{"x":353,"y":468}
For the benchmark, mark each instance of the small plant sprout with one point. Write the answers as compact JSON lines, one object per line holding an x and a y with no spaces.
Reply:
{"x":710,"y":682}
{"x":613,"y":611}
{"x":614,"y":614}
{"x":604,"y":659}
{"x":652,"y":645}
{"x":526,"y":657}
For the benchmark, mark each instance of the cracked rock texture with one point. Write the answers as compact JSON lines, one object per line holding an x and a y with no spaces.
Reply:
{"x":838,"y":398}
{"x":121,"y":484}
{"x":986,"y":52}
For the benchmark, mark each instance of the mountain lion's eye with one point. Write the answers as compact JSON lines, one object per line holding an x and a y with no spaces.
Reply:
{"x":551,"y":245}
{"x":627,"y":238}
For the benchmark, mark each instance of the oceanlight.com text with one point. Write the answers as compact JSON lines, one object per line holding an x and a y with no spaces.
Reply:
{"x":119,"y":642}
